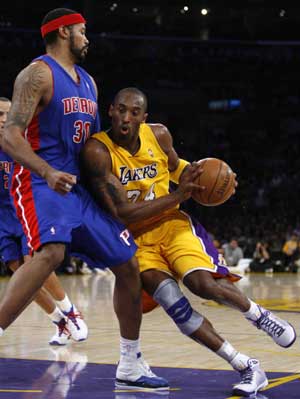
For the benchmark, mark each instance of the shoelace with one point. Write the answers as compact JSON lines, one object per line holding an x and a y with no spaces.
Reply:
{"x":247,"y":376}
{"x":62,"y":328}
{"x":147,"y":368}
{"x":73,"y":316}
{"x":266,"y":323}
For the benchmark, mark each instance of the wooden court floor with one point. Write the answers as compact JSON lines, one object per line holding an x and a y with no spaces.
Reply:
{"x":30,"y":368}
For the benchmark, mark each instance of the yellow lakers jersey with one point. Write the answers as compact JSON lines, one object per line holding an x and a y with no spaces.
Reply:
{"x":144,"y":175}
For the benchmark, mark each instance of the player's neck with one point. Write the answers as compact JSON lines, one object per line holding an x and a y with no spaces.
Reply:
{"x":65,"y":61}
{"x":132,"y":146}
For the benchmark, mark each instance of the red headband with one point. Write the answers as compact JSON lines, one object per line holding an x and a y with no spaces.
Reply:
{"x":66,"y":20}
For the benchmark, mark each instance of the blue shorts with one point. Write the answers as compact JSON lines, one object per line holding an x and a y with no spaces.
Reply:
{"x":13,"y":243}
{"x":73,"y":219}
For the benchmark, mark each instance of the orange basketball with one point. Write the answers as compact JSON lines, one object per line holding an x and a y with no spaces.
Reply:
{"x":148,"y":302}
{"x":218,"y":178}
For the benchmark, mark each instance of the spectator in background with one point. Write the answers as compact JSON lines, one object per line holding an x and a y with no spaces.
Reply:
{"x":261,"y":258}
{"x":291,"y":252}
{"x":232,"y":252}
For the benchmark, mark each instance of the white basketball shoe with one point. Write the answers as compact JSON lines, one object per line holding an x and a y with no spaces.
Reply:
{"x":76,"y":325}
{"x":253,"y":378}
{"x":62,"y":334}
{"x":136,"y":374}
{"x":282,"y":332}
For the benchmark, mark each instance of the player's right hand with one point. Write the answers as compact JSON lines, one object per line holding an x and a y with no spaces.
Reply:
{"x":61,"y":182}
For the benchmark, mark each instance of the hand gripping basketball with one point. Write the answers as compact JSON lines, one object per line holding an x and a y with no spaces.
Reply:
{"x":219,"y":180}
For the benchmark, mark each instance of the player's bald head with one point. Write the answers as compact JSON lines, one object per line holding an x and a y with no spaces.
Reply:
{"x":131,"y":91}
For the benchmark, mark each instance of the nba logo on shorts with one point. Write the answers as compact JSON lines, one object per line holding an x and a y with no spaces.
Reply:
{"x":125,"y":236}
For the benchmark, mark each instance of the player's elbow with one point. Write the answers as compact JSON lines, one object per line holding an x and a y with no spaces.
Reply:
{"x":125,"y":214}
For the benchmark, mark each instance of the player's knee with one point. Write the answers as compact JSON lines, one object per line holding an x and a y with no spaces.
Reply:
{"x":52,"y":255}
{"x":128,"y":271}
{"x":205,"y":288}
{"x":171,"y":298}
{"x":128,"y":279}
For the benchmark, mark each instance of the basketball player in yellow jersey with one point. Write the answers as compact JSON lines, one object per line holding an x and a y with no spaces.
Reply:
{"x":128,"y":169}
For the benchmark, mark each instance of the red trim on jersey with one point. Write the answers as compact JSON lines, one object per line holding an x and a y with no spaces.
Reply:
{"x":32,"y":134}
{"x":21,"y":191}
{"x":65,"y":20}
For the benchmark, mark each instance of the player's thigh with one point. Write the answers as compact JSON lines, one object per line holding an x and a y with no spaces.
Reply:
{"x":47,"y":216}
{"x":188,"y":249}
{"x":152,"y":278}
{"x":101,"y":240}
{"x":150,"y":257}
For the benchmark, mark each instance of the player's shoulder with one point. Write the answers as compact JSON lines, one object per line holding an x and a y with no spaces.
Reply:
{"x":38,"y":66}
{"x":95,"y":146}
{"x":158,"y":128}
{"x":95,"y":155}
{"x":36,"y":73}
{"x":162,"y":134}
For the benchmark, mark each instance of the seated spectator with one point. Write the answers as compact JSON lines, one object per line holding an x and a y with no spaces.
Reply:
{"x":291,"y":253}
{"x":232,"y":252}
{"x":261,"y":258}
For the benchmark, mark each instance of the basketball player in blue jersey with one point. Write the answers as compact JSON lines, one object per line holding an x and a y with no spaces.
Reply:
{"x":14,"y":250}
{"x":53,"y":112}
{"x":128,"y":168}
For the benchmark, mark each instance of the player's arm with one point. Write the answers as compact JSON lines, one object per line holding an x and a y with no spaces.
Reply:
{"x":32,"y":90}
{"x":107,"y":190}
{"x":178,"y":168}
{"x":176,"y":165}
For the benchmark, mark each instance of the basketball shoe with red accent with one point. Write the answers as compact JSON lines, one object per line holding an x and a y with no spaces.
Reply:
{"x":76,"y":325}
{"x":62,"y":334}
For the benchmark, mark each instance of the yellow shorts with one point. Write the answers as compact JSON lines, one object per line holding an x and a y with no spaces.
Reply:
{"x":178,"y":247}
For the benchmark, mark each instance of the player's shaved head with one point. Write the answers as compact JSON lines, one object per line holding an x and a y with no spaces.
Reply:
{"x":131,"y":90}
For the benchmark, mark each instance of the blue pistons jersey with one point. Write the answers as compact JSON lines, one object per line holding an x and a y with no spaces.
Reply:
{"x":59,"y":132}
{"x":57,"y":135}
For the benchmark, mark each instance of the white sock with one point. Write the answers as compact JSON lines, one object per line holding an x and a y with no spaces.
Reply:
{"x":1,"y":331}
{"x":253,"y":312}
{"x":56,"y":315}
{"x":240,"y":362}
{"x":227,"y":351}
{"x":65,"y":305}
{"x":237,"y":360}
{"x":129,"y":348}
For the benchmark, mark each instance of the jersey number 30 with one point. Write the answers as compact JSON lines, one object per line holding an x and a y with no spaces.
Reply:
{"x":82,"y":131}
